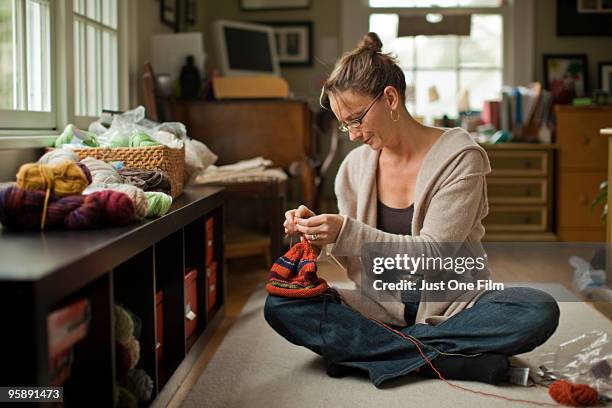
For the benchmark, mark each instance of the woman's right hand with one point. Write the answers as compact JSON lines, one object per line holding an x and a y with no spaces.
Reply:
{"x":290,"y":219}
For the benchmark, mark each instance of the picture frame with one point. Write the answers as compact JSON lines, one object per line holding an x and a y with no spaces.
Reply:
{"x":584,"y":17}
{"x":170,"y":11}
{"x":605,"y":76}
{"x":267,"y":5}
{"x":566,"y":76}
{"x":294,"y":44}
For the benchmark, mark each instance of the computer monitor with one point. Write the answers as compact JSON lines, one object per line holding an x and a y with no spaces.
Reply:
{"x":245,"y":48}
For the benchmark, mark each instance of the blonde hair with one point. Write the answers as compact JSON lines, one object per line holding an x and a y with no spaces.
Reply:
{"x":365,"y":69}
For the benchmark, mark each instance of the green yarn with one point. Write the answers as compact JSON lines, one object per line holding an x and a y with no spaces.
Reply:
{"x":126,"y":399}
{"x":141,"y":139}
{"x":76,"y":136}
{"x":124,"y":325}
{"x":119,"y":139}
{"x":157,"y":203}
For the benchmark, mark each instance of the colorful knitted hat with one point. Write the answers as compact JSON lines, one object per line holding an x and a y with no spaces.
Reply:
{"x":295,"y":274}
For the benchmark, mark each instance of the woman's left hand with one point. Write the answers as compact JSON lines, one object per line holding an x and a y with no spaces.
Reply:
{"x":320,"y":229}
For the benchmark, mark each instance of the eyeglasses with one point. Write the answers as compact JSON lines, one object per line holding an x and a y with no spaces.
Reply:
{"x":355,"y":123}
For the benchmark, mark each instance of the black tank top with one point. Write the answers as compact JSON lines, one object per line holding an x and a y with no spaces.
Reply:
{"x":399,"y":221}
{"x":394,"y":220}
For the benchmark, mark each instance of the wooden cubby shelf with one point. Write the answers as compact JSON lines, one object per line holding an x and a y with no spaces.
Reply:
{"x":143,"y":268}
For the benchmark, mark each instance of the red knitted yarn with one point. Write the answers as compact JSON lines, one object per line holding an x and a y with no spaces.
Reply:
{"x":23,"y":209}
{"x":295,"y":274}
{"x":575,"y":395}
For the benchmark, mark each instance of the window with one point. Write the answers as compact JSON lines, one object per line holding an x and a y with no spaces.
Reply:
{"x":95,"y":56}
{"x":59,"y":63}
{"x":445,"y":71}
{"x":25,"y":59}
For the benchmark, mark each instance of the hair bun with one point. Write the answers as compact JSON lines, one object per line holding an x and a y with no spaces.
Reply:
{"x":370,"y":42}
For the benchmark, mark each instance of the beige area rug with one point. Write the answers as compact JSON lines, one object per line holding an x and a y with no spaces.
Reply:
{"x":255,"y":367}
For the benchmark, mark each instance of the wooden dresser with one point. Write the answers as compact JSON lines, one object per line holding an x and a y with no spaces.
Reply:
{"x":519,"y":190}
{"x":582,"y":164}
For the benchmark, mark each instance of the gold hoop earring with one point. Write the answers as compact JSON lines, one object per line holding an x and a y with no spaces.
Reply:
{"x":392,"y":118}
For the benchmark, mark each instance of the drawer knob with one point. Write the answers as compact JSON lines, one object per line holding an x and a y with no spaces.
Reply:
{"x":527,"y":220}
{"x":586,"y":140}
{"x":528,"y":164}
{"x":157,"y":345}
{"x":584,"y":199}
{"x":189,"y":314}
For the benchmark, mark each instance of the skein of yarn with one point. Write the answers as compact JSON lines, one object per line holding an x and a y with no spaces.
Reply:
{"x":124,"y":325}
{"x":158,"y":203}
{"x":62,"y":179}
{"x":133,"y":347}
{"x":140,"y":384}
{"x":85,"y":171}
{"x":575,"y":395}
{"x":126,"y":399}
{"x":122,"y":362}
{"x":147,"y":179}
{"x":141,"y":139}
{"x":137,"y":196}
{"x":102,"y":172}
{"x":58,"y":155}
{"x":23,"y":209}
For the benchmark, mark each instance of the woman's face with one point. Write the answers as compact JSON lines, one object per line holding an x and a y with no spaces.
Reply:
{"x":375,"y":125}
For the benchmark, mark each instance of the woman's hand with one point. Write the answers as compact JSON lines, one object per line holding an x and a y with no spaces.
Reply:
{"x":292,"y":216}
{"x":320,"y":229}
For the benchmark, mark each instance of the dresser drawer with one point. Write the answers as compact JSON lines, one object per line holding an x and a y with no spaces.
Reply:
{"x":577,"y":190}
{"x":518,"y":163}
{"x":506,"y":190}
{"x":516,"y":218}
{"x":581,"y":146}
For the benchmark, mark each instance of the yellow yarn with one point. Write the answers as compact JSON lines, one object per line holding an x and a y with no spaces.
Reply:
{"x":124,"y":325}
{"x":63,"y":179}
{"x":133,"y":346}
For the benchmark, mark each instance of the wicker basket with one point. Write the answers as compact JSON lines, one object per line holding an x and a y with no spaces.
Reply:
{"x":171,"y":161}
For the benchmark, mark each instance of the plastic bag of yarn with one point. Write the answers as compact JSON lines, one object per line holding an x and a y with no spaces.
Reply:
{"x":586,"y":359}
{"x":142,"y":139}
{"x":75,"y":136}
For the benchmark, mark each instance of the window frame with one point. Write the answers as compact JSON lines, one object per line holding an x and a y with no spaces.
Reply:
{"x":518,"y":54}
{"x":16,"y":129}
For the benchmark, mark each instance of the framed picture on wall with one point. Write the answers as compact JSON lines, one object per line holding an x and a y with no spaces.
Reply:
{"x":565,"y":76}
{"x":170,"y":11}
{"x":255,"y":5}
{"x":605,"y":77}
{"x":584,"y":17}
{"x":293,"y":42}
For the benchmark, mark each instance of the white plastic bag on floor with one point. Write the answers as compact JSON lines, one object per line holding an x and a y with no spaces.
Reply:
{"x":586,"y":359}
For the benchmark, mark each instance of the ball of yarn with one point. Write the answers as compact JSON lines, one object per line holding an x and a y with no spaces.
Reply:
{"x":158,"y":203}
{"x":140,"y":384}
{"x":124,"y":326}
{"x":126,"y":399}
{"x":137,"y":196}
{"x":118,"y":139}
{"x":86,"y":171}
{"x":122,"y":362}
{"x":575,"y":395}
{"x":63,"y":179}
{"x":74,"y":135}
{"x":141,"y":139}
{"x":101,"y":172}
{"x":147,"y":179}
{"x":23,"y":209}
{"x":58,"y":155}
{"x":102,"y":208}
{"x":133,"y":347}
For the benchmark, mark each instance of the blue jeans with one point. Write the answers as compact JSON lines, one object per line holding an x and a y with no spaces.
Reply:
{"x":513,"y":321}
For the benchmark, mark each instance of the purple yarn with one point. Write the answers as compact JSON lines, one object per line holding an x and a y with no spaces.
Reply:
{"x":22,"y":209}
{"x":86,"y":171}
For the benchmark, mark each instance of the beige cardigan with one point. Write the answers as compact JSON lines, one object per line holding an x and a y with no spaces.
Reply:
{"x":450,"y":201}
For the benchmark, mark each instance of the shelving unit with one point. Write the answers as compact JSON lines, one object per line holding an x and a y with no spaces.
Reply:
{"x":43,"y":271}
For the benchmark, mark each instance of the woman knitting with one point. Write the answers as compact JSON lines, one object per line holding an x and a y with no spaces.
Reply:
{"x":408,"y":183}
